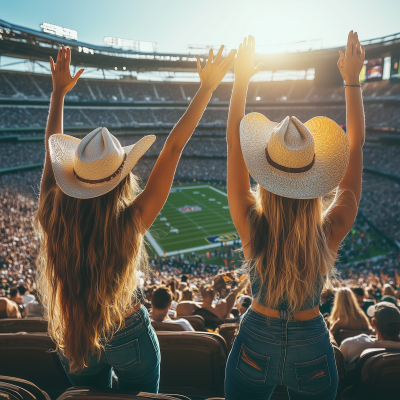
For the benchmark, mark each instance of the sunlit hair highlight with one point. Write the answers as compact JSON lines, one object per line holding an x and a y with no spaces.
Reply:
{"x":90,"y":257}
{"x":346,"y":309}
{"x":289,"y":246}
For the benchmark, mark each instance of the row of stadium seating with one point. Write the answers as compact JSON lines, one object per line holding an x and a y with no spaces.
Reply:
{"x":193,"y":363}
{"x":37,"y":86}
{"x":12,"y":116}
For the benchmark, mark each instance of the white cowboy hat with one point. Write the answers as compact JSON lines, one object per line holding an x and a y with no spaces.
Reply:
{"x":291,"y":159}
{"x":94,"y":165}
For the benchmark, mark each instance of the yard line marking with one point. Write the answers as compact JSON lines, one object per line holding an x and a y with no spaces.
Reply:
{"x":154,"y":244}
{"x":219,"y":191}
{"x":207,"y":246}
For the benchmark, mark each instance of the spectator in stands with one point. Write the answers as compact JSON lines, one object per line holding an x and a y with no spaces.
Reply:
{"x":15,"y":296}
{"x":25,"y":295}
{"x":389,"y":294}
{"x":290,"y":238}
{"x":91,"y":221}
{"x":362,"y":301}
{"x":243,"y":304}
{"x":161,"y":302}
{"x":327,"y":300}
{"x":8,"y":309}
{"x":187,"y":294}
{"x":346,"y":312}
{"x":386,"y":322}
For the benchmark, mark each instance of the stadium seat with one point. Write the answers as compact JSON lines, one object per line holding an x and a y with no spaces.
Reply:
{"x":211,"y":320}
{"x":29,"y":356}
{"x":14,"y":325}
{"x":27,"y":387}
{"x":86,"y":393}
{"x":342,"y":334}
{"x":197,"y":321}
{"x":192,"y":363}
{"x":228,"y":332}
{"x":341,"y":369}
{"x":166,"y":326}
{"x":377,"y":375}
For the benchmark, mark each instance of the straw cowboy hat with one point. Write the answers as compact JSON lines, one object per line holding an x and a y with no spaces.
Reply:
{"x":94,"y":165}
{"x":292,"y":159}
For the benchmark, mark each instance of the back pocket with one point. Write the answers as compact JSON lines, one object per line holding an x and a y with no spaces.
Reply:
{"x":313,"y":376}
{"x":252,"y":365}
{"x":124,"y":356}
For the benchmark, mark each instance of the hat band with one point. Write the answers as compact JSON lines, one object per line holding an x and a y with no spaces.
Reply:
{"x":288,"y":169}
{"x":104,"y":179}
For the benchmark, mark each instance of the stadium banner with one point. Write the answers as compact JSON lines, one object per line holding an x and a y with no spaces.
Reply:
{"x":223,"y":238}
{"x":372,"y":70}
{"x":175,"y":190}
{"x":395,"y":70}
{"x":187,"y":209}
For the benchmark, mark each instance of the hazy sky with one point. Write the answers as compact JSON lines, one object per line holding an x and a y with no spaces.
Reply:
{"x":176,"y":23}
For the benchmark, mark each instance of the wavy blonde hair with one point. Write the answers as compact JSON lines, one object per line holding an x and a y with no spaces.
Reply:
{"x":91,"y":253}
{"x":289,"y":246}
{"x":346,"y":309}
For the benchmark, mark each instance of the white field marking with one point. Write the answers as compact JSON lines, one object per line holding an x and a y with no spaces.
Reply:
{"x":203,"y":195}
{"x":199,"y":227}
{"x":155,"y":245}
{"x":211,"y":199}
{"x":163,"y":219}
{"x":225,"y":207}
{"x":218,"y":202}
{"x":196,"y":192}
{"x":207,"y":246}
{"x":174,"y":230}
{"x":217,"y":190}
{"x":190,"y":187}
{"x":167,"y":223}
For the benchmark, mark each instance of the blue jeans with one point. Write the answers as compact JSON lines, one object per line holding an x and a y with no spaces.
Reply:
{"x":270,"y":351}
{"x":133,"y":353}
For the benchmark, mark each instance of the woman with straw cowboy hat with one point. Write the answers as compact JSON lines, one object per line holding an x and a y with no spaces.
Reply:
{"x":290,"y":235}
{"x":91,"y":221}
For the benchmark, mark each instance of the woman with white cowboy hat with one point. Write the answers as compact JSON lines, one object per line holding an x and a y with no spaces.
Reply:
{"x":290,"y":235}
{"x":91,"y":222}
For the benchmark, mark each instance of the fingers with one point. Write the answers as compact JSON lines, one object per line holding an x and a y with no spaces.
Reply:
{"x":198,"y":65}
{"x":52,"y":66}
{"x":219,"y":54}
{"x":349,"y":43}
{"x":362,"y":53}
{"x":210,"y":56}
{"x":227,"y":64}
{"x":77,"y":75}
{"x":68,"y":56}
{"x":258,"y":68}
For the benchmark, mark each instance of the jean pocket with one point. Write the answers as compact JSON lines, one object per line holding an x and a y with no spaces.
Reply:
{"x":313,"y":377}
{"x":251,"y":365}
{"x":125,"y":356}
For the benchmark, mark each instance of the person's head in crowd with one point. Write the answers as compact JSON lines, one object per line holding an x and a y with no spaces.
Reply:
{"x":243,"y":304}
{"x":161,"y":302}
{"x":22,"y":290}
{"x":173,"y":286}
{"x":370,"y":292}
{"x":388,"y":290}
{"x":187,"y":294}
{"x":184,"y":278}
{"x":327,"y":295}
{"x":15,"y":296}
{"x":346,"y":311}
{"x":359,"y":293}
{"x":90,"y":261}
{"x":385,"y":319}
{"x":208,"y":294}
{"x":295,"y":229}
{"x":2,"y":292}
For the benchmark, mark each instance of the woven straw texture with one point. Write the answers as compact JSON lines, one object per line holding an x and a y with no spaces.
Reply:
{"x":320,"y":135}
{"x":67,"y":153}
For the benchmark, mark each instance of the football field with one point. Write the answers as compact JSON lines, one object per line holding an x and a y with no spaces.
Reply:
{"x":193,"y":218}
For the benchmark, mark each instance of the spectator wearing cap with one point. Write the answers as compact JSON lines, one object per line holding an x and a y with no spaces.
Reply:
{"x":386,"y":322}
{"x":161,"y":302}
{"x":364,"y":303}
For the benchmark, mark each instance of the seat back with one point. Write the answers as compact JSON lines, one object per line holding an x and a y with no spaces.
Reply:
{"x":380,"y":374}
{"x":87,"y":393}
{"x":228,"y":332}
{"x":31,"y":356}
{"x":211,"y":320}
{"x":36,"y":393}
{"x":192,"y":362}
{"x":197,"y":321}
{"x":14,"y":325}
{"x":347,"y":333}
{"x":166,"y":326}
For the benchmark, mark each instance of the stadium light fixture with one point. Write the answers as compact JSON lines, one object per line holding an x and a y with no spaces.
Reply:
{"x":258,"y":98}
{"x":59,"y":31}
{"x":131,"y":44}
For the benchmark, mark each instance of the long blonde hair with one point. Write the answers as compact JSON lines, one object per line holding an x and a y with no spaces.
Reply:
{"x":289,"y":247}
{"x":347,"y":310}
{"x":91,"y":252}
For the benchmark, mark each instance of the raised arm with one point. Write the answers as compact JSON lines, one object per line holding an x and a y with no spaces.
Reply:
{"x":63,"y":82}
{"x":153,"y":197}
{"x":344,"y":214}
{"x":238,"y":182}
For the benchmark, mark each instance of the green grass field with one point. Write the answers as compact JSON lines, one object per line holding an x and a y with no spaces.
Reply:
{"x":193,"y":218}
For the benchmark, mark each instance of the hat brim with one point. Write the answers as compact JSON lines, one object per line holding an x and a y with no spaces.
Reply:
{"x":332,"y":153}
{"x":62,"y":153}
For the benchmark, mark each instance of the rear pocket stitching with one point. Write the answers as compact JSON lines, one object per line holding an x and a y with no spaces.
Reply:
{"x":244,"y":351}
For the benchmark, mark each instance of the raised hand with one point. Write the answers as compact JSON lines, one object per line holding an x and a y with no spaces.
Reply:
{"x":244,"y":66}
{"x":63,"y":82}
{"x":214,"y":71}
{"x":350,"y":64}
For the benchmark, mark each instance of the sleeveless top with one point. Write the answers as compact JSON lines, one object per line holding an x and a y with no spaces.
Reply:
{"x":259,"y":292}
